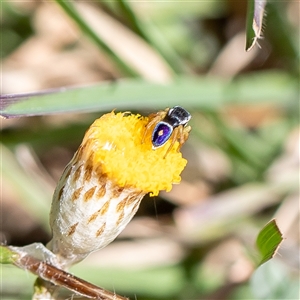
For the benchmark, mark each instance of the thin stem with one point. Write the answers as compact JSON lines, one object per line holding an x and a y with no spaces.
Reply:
{"x":61,"y":278}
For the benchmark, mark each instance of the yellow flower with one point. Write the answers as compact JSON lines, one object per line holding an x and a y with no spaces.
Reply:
{"x":101,"y":188}
{"x":117,"y":143}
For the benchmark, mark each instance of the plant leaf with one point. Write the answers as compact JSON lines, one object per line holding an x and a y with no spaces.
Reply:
{"x":268,"y":241}
{"x":7,"y":256}
{"x":255,"y":15}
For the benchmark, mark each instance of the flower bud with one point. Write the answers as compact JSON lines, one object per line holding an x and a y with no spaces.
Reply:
{"x":101,"y":188}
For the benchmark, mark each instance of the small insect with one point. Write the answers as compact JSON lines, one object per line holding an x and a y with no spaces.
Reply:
{"x":170,"y":122}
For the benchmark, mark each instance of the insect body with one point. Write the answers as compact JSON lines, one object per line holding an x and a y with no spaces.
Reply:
{"x":170,"y":123}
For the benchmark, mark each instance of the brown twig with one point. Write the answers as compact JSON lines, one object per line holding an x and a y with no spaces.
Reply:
{"x":61,"y":278}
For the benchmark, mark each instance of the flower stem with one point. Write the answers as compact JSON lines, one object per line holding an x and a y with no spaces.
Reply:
{"x":51,"y":274}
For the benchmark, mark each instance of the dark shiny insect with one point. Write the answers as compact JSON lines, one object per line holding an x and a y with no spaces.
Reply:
{"x":170,"y":123}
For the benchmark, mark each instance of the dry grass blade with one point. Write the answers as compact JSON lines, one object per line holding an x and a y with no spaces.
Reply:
{"x":73,"y":13}
{"x":148,"y":63}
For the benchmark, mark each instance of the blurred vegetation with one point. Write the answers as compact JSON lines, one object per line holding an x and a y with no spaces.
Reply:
{"x":197,"y":241}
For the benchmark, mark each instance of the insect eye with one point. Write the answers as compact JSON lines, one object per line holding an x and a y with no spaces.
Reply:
{"x":161,"y":134}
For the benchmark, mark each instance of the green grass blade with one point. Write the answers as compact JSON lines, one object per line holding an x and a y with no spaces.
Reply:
{"x":254,"y":22}
{"x":127,"y":94}
{"x":282,"y":36}
{"x":34,"y":199}
{"x":237,"y":141}
{"x":153,"y":36}
{"x":69,"y":8}
{"x":268,"y":241}
{"x":200,"y":93}
{"x":132,"y":18}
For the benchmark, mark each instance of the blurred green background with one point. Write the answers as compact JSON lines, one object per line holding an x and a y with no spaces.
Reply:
{"x":198,"y":241}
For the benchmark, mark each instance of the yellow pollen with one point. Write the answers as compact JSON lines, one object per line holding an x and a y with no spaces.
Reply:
{"x":116,"y":140}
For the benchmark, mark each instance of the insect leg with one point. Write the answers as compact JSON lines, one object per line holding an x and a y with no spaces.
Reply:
{"x":174,"y":139}
{"x":154,"y":118}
